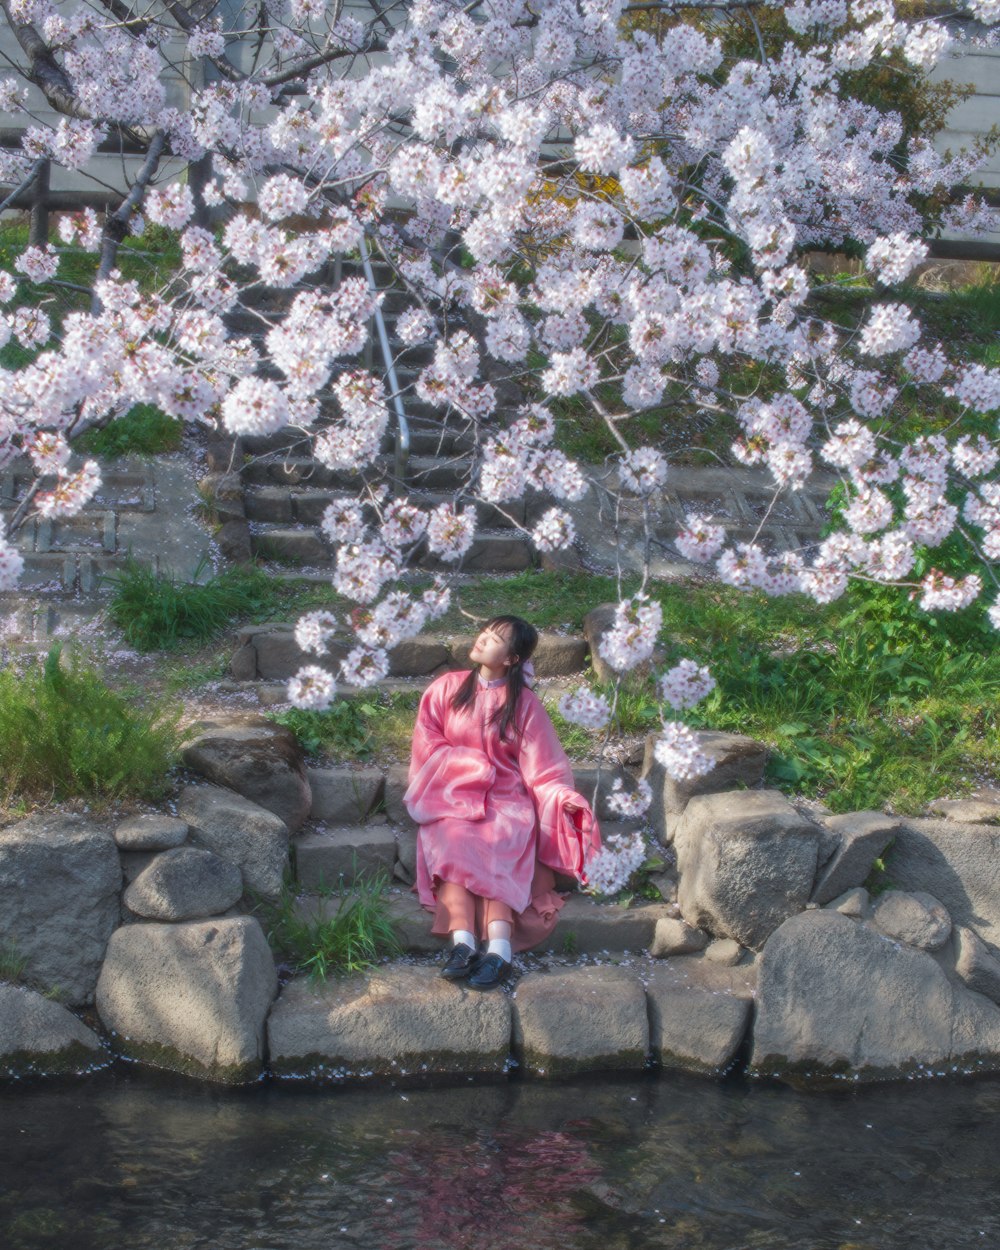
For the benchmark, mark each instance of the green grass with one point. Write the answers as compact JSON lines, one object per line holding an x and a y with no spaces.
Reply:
{"x":143,"y":431}
{"x":369,"y":725}
{"x":159,"y":613}
{"x":12,"y":962}
{"x":64,"y":733}
{"x":360,"y":931}
{"x":866,"y":702}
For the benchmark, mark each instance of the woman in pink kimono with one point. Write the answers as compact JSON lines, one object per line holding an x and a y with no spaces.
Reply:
{"x":492,"y":791}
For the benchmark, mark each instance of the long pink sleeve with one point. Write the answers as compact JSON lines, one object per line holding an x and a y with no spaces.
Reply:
{"x":565,"y":840}
{"x":445,"y":780}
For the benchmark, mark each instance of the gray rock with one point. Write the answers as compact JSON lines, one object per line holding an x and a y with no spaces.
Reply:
{"x":190,"y":997}
{"x":393,"y":1021}
{"x":558,"y":656}
{"x":134,"y":862}
{"x":957,"y":864}
{"x":696,"y":1022}
{"x":975,"y":965}
{"x":344,"y":796}
{"x":967,"y":811}
{"x":746,"y":862}
{"x":150,"y":832}
{"x":405,"y":867}
{"x":396,"y":783}
{"x":278,"y":655}
{"x":39,"y":1037}
{"x":917,"y":919}
{"x":837,"y":999}
{"x":859,"y":838}
{"x":724,"y":951}
{"x":674,"y":937}
{"x":580,"y":1020}
{"x":240,"y":831}
{"x":60,"y":881}
{"x":417,"y":657}
{"x":243,"y":663}
{"x":596,"y":624}
{"x":256,"y":758}
{"x":185,"y":884}
{"x":851,"y":903}
{"x":739,"y":761}
{"x":587,"y":927}
{"x":336,"y":856}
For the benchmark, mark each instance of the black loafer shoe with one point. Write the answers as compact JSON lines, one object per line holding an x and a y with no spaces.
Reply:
{"x":490,"y":971}
{"x":460,"y":962}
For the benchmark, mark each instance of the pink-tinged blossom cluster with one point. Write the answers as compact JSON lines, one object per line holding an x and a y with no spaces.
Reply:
{"x":633,"y":633}
{"x":312,"y":688}
{"x":630,"y":804}
{"x":700,"y":540}
{"x":678,"y":751}
{"x":585,"y":707}
{"x":314,"y":631}
{"x":608,"y":871}
{"x":685,"y":684}
{"x":939,"y":591}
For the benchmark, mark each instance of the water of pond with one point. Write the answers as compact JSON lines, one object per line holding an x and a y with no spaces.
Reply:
{"x":132,"y":1162}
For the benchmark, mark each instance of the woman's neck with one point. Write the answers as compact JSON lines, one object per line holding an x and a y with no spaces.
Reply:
{"x":491,"y":674}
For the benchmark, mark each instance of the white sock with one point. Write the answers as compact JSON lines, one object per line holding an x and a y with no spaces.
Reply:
{"x":501,"y":947}
{"x":463,"y":935}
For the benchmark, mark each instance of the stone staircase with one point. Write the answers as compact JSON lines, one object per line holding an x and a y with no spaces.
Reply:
{"x":359,"y":827}
{"x":286,"y":490}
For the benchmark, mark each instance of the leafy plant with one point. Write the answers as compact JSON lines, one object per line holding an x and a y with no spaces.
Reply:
{"x":63,"y":731}
{"x":358,"y":933}
{"x":156,"y":612}
{"x":340,"y":730}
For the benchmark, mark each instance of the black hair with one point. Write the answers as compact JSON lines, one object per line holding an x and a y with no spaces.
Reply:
{"x":523,"y":641}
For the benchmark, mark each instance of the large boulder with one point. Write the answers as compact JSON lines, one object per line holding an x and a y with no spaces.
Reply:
{"x":837,"y":999}
{"x":580,"y":1020}
{"x":255,"y":757}
{"x":975,"y":965}
{"x":41,"y":1038}
{"x":190,"y":997}
{"x":746,"y":862}
{"x":848,"y":850}
{"x":394,"y":1021}
{"x":699,"y":1013}
{"x":739,"y":761}
{"x":60,"y":882}
{"x":959,"y":864}
{"x":344,"y":796}
{"x":249,"y":836}
{"x":184,"y":884}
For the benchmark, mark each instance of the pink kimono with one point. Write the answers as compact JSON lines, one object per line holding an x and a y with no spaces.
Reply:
{"x":492,"y":813}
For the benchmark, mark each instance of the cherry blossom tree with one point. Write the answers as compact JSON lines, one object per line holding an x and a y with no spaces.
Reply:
{"x":575,"y":201}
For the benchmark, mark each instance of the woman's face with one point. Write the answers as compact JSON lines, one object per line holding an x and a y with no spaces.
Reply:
{"x":491,"y":646}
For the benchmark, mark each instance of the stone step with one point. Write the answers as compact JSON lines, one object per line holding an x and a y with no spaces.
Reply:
{"x":427,"y":472}
{"x":306,"y":506}
{"x":584,"y":927}
{"x":270,"y":653}
{"x":424,"y":441}
{"x":496,"y":551}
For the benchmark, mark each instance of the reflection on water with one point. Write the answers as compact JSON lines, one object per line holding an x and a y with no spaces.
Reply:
{"x":655,"y":1161}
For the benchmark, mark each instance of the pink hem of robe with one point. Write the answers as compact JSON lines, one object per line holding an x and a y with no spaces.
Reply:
{"x":492,"y":814}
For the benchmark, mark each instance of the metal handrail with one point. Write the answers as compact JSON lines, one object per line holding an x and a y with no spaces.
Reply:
{"x":402,"y":425}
